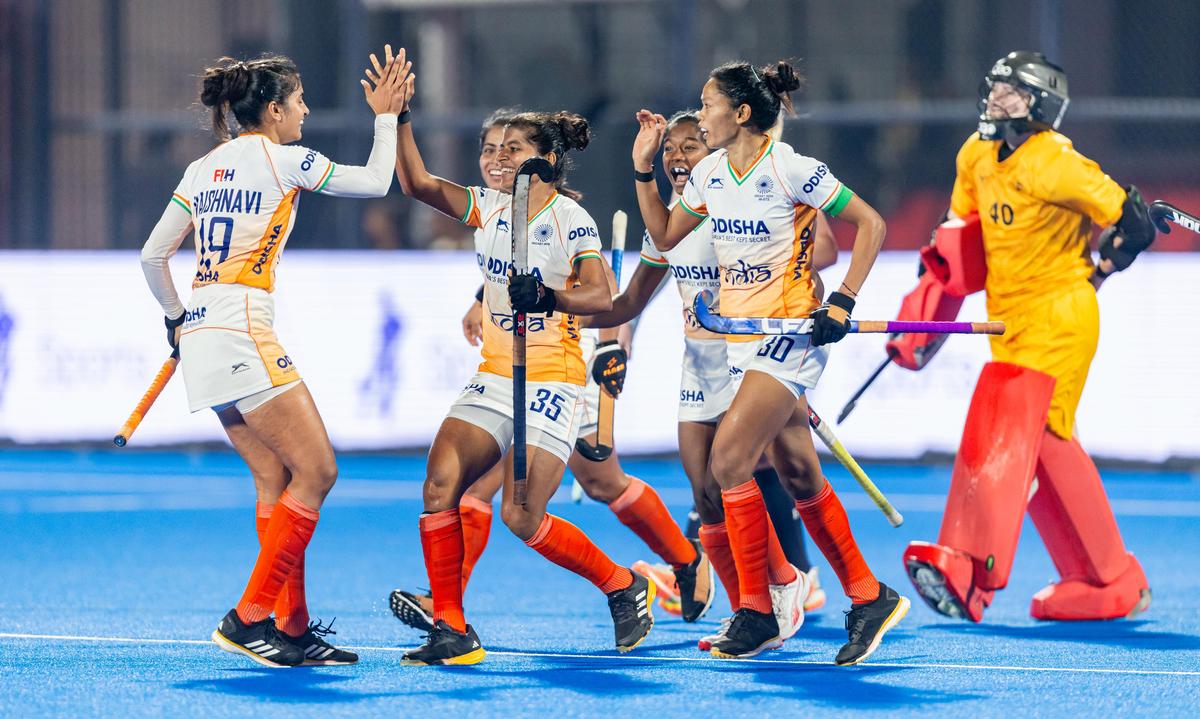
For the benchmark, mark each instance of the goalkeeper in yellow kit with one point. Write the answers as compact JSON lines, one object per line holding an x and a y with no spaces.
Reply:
{"x":1037,"y":200}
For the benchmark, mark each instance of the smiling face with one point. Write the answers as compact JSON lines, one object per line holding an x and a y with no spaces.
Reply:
{"x":489,"y":166}
{"x":516,"y":148}
{"x":682,"y":149}
{"x":289,"y":116}
{"x":718,"y":117}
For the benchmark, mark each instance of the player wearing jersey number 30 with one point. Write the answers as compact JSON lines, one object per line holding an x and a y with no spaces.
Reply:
{"x":239,"y":202}
{"x":566,"y":279}
{"x":761,"y":199}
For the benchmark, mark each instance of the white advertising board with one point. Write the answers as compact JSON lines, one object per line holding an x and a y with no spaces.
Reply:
{"x":377,"y":338}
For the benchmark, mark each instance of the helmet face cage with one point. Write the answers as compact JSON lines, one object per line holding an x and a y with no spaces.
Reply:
{"x":1031,"y":72}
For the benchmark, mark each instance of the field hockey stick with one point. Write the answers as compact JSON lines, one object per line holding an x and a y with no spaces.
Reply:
{"x":1164,"y":212}
{"x":846,"y":410}
{"x":839,"y":450}
{"x":156,"y":387}
{"x":796,"y":326}
{"x":520,"y":265}
{"x":607,"y":409}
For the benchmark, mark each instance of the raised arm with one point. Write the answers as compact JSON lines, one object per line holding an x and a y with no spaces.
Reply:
{"x":666,"y":227}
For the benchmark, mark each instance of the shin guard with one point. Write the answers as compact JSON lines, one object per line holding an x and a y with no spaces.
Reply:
{"x":1100,"y":579}
{"x":989,"y":490}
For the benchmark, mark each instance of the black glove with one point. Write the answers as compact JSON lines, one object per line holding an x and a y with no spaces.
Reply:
{"x":172,"y":325}
{"x":831,"y":321}
{"x":1134,"y":228}
{"x":608,"y":367}
{"x":526,"y":293}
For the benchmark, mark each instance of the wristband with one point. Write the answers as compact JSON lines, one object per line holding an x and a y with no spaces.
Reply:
{"x":403,"y":118}
{"x":837,"y":299}
{"x":479,"y":294}
{"x":643,"y":176}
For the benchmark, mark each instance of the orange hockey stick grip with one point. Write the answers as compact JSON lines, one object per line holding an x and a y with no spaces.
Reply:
{"x":156,"y":387}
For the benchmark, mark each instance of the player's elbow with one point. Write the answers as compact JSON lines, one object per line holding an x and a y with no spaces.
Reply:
{"x":151,"y":256}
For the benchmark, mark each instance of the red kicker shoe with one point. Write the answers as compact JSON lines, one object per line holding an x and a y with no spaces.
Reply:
{"x":944,"y":578}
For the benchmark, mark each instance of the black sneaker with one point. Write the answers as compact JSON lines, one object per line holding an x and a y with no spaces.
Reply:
{"x":867,"y":623}
{"x":260,"y":641}
{"x":697,"y":586}
{"x":445,"y":645}
{"x":631,"y":615}
{"x":749,"y":633}
{"x":408,"y":608}
{"x":316,"y":650}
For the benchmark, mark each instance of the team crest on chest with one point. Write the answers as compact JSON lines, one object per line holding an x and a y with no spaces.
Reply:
{"x":542,"y":234}
{"x":764,"y":187}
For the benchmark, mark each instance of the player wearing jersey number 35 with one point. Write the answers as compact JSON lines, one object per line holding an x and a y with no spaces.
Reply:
{"x":566,"y":279}
{"x":239,"y":202}
{"x":761,"y":199}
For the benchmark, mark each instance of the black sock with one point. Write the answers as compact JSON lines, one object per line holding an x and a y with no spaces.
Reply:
{"x":780,"y":507}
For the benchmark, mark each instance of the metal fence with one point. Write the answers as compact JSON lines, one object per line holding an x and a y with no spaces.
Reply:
{"x":98,"y":114}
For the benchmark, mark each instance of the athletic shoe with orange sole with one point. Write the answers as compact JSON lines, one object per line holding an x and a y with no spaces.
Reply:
{"x":663,"y":578}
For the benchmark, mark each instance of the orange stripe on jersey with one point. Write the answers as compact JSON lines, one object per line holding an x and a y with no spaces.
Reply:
{"x":799,"y":298}
{"x":259,"y":268}
{"x":181,"y":201}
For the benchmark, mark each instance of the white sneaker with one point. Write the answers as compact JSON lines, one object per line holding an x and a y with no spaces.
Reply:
{"x":706,"y":642}
{"x":788,"y":602}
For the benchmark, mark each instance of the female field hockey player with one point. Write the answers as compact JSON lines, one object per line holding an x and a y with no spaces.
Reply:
{"x":567,"y":278}
{"x":239,"y":201}
{"x":635,"y":503}
{"x":761,"y":198}
{"x":706,"y":388}
{"x":1037,"y":199}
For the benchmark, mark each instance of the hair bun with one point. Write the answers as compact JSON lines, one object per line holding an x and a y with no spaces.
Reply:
{"x":781,"y":78}
{"x":575,"y":129}
{"x":227,"y":82}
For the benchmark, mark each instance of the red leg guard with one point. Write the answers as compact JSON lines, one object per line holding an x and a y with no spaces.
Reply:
{"x":1100,"y":579}
{"x":989,"y":489}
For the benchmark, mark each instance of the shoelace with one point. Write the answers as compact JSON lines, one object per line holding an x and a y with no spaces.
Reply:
{"x":622,"y":607}
{"x":855,"y":624}
{"x":322,"y":630}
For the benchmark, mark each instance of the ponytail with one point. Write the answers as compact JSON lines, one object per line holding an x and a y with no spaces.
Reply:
{"x":245,"y":88}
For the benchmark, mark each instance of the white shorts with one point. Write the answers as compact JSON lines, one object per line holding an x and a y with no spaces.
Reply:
{"x":549,"y":422}
{"x":228,"y":349}
{"x":791,"y":359}
{"x":705,"y":387}
{"x":246,"y":405}
{"x":589,"y":404}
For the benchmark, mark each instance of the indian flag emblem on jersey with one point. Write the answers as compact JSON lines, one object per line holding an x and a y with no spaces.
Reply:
{"x":542,"y":234}
{"x":763,"y":187}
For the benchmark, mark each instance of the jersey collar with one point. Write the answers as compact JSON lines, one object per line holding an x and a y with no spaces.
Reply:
{"x":740,"y":177}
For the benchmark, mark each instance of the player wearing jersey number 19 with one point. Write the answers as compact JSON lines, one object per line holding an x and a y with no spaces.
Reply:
{"x":567,"y":279}
{"x":761,"y":198}
{"x":239,"y":201}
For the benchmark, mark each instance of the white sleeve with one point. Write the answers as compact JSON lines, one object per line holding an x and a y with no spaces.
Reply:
{"x":814,"y":185}
{"x":172,"y":229}
{"x":310,"y":170}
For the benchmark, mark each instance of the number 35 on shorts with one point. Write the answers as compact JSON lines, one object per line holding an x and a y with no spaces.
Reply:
{"x":776,"y":348}
{"x":548,"y":403}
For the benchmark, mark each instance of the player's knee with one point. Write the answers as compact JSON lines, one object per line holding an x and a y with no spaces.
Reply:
{"x":603,"y":489}
{"x":440,"y":491}
{"x":326,"y":472}
{"x":731,"y":467}
{"x":521,"y":521}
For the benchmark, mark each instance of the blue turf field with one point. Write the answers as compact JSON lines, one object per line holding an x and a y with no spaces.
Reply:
{"x":116,"y":567}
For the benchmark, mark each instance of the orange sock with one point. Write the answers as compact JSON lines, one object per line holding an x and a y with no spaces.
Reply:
{"x":291,"y":610}
{"x":564,"y":544}
{"x":779,"y":569}
{"x":476,"y":516}
{"x":287,"y":533}
{"x":442,"y":542}
{"x":715,"y":540}
{"x":825,"y":519}
{"x":641,"y":509}
{"x":748,"y":526}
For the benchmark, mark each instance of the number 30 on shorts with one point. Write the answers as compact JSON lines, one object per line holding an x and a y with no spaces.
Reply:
{"x":777,"y":348}
{"x":548,"y":403}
